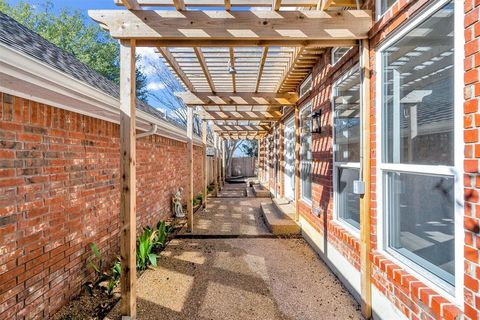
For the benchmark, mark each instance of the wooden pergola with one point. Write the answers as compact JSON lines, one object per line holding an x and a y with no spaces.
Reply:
{"x":240,"y":62}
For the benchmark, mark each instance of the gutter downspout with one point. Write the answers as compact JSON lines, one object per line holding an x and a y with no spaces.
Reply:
{"x":150,"y":132}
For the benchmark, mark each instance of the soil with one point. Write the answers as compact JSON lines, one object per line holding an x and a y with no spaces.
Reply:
{"x":97,"y":305}
{"x":88,"y":307}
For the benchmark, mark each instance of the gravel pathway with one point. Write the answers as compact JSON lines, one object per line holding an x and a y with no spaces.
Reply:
{"x":240,"y":279}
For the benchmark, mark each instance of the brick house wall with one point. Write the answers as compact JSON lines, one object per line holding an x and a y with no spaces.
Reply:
{"x":411,"y":297}
{"x":59,"y":191}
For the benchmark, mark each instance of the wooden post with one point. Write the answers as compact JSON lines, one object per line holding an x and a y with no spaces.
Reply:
{"x":190,"y":168}
{"x":215,"y":164}
{"x":223,"y":162}
{"x":205,"y":162}
{"x":365,"y":264}
{"x":128,"y":277}
{"x":282,"y":159}
{"x":297,"y":162}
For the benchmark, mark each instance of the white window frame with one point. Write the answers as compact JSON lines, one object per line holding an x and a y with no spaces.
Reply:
{"x":304,"y":84}
{"x":306,"y":108}
{"x":378,"y":5}
{"x":347,"y":165}
{"x":334,"y":50}
{"x":454,"y":294}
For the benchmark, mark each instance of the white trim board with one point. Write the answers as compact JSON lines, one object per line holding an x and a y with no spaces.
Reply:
{"x":23,"y":76}
{"x":382,"y":307}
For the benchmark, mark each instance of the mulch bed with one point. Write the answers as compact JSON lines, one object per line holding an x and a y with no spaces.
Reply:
{"x":97,"y":305}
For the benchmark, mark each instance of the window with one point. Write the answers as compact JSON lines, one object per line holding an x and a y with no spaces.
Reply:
{"x":383,"y":6}
{"x":417,"y":167}
{"x":338,"y":53}
{"x":306,"y":153}
{"x":305,"y":86}
{"x":346,"y":136}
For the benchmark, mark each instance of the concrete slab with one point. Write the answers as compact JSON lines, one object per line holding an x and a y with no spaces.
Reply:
{"x":277,"y":222}
{"x":260,"y":191}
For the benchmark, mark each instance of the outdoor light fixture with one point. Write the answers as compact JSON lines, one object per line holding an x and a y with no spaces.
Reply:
{"x":232,"y":70}
{"x":316,"y":121}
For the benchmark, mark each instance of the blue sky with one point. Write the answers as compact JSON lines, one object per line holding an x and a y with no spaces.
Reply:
{"x":82,"y":5}
{"x":147,"y":55}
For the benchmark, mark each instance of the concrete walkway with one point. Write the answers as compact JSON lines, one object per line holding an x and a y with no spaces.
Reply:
{"x":256,"y":277}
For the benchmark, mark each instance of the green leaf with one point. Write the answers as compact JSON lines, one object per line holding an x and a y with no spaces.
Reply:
{"x":153,"y":259}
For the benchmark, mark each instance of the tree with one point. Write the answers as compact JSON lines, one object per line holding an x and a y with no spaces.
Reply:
{"x":176,"y":107}
{"x":249,"y":147}
{"x":230,"y":147}
{"x":70,"y":32}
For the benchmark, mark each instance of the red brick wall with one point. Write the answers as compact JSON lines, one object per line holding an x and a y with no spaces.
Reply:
{"x":472,"y":155}
{"x":414,"y":298}
{"x":59,"y":191}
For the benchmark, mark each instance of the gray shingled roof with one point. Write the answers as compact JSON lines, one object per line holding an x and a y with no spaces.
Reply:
{"x":24,"y":40}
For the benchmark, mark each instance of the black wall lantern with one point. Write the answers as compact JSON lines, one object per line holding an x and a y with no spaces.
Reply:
{"x":316,"y":121}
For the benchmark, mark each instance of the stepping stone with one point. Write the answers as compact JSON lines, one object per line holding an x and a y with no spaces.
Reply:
{"x":260,"y":191}
{"x":278,"y":222}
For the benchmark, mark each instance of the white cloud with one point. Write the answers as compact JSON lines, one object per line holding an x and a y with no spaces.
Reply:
{"x":155,"y":86}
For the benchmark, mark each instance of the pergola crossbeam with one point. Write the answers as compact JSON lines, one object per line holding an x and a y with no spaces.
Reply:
{"x":237,"y":98}
{"x":242,"y":3}
{"x":238,"y":25}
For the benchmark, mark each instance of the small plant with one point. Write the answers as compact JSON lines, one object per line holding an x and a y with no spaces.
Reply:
{"x":210,"y":188}
{"x":200,"y":197}
{"x":107,"y":281}
{"x":145,"y":244}
{"x":96,"y":264}
{"x":196,"y":202}
{"x":162,"y":234}
{"x":114,"y":277}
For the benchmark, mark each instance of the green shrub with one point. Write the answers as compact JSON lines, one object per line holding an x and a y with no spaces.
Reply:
{"x":145,"y":244}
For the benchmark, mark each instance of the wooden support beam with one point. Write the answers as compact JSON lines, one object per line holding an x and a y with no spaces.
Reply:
{"x":297,"y":162}
{"x":241,"y":3}
{"x":276,"y":4}
{"x":237,"y":98}
{"x":215,"y":164}
{"x":214,"y":118}
{"x":179,"y":5}
{"x":176,"y":67}
{"x":205,"y":162}
{"x":190,"y":169}
{"x":236,"y":25}
{"x":239,"y":42}
{"x":131,"y":4}
{"x":228,"y":5}
{"x":128,"y":277}
{"x":203,"y":65}
{"x":260,"y":69}
{"x":365,"y":223}
{"x":232,"y":64}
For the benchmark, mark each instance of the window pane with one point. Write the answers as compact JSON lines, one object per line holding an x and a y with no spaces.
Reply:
{"x":348,"y":203}
{"x":385,"y":5}
{"x":347,"y":119}
{"x":421,"y":220}
{"x":306,"y":154}
{"x":418,"y":94}
{"x":338,"y":53}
